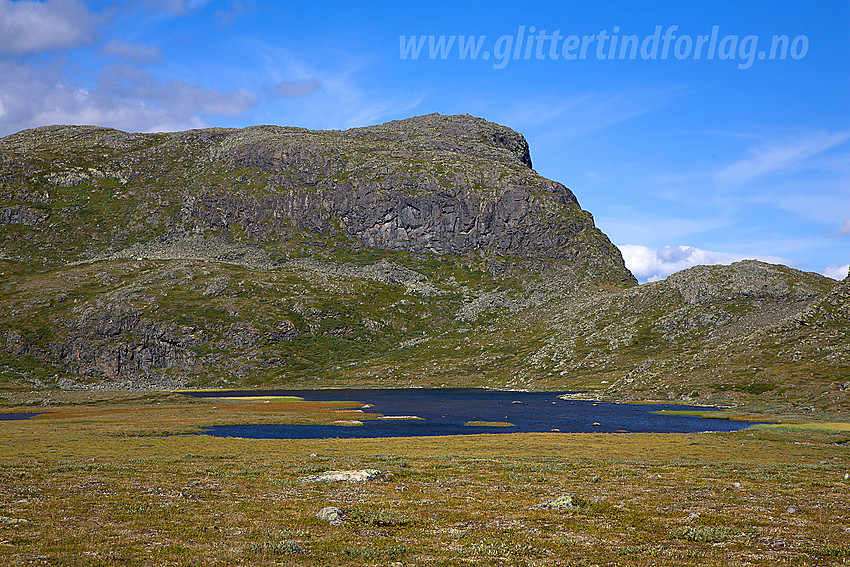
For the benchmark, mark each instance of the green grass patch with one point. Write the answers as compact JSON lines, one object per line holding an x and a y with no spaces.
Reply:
{"x":826,"y":426}
{"x":704,"y":534}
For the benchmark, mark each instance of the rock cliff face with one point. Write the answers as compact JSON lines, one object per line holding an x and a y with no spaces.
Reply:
{"x":445,"y":185}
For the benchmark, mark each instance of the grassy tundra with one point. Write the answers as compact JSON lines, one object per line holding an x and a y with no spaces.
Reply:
{"x":113,"y":479}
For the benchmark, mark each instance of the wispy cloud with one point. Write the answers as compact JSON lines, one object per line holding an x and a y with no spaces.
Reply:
{"x":296,"y":88}
{"x":35,"y":27}
{"x":232,"y":11}
{"x":653,"y":264}
{"x":136,"y":52}
{"x":771,"y":158}
{"x":324,"y":90}
{"x":837,"y":272}
{"x":845,"y":228}
{"x":180,"y":97}
{"x":580,"y":114}
{"x":178,"y":7}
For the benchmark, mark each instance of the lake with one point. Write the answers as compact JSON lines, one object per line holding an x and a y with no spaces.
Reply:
{"x":446,"y":411}
{"x":16,"y":416}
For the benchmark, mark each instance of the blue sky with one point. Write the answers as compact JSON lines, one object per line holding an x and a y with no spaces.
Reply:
{"x":681,"y":159}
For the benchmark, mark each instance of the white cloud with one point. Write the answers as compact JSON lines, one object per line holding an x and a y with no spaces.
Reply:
{"x":176,"y":95}
{"x":837,"y":272}
{"x":653,"y":264}
{"x":126,"y":97}
{"x":778,"y":157}
{"x":845,"y":228}
{"x":33,"y":27}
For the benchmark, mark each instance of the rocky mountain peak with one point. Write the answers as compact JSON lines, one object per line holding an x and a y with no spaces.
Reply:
{"x":460,"y":133}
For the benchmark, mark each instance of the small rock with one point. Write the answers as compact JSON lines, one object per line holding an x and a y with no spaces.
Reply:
{"x":846,"y":476}
{"x":332,"y":515}
{"x":597,"y":424}
{"x":565,"y":502}
{"x":13,"y":521}
{"x":737,"y":485}
{"x":790,"y":510}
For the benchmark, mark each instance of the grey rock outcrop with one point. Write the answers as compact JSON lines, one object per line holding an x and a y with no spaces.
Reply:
{"x":360,"y":475}
{"x":748,"y":279}
{"x":116,"y":342}
{"x":22,"y":214}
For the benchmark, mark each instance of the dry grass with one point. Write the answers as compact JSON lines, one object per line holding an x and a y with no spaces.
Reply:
{"x":92,"y":485}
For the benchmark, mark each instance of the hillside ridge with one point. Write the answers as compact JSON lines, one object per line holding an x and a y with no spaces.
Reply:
{"x":431,"y":184}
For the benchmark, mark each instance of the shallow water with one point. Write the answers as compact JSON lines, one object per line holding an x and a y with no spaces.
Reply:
{"x":445,"y":411}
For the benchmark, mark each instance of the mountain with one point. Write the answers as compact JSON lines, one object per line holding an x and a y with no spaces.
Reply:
{"x":425,"y":251}
{"x":434,"y":184}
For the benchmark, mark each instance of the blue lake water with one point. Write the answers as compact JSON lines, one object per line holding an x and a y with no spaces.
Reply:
{"x":445,"y":411}
{"x":16,"y":416}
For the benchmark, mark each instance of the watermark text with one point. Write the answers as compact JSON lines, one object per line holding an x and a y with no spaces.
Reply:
{"x":529,"y":43}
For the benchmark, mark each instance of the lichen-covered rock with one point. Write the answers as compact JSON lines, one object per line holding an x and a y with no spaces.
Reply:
{"x":561,"y":503}
{"x":332,"y":515}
